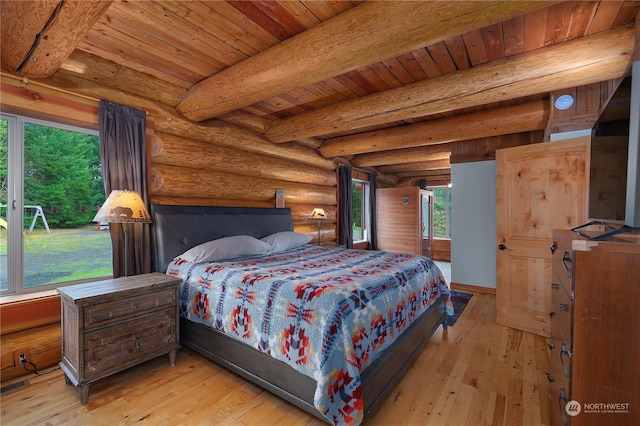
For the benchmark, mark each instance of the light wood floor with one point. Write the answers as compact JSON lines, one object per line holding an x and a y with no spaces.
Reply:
{"x":482,"y":373}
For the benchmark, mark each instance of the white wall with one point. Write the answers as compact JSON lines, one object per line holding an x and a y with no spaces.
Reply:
{"x":473,"y":214}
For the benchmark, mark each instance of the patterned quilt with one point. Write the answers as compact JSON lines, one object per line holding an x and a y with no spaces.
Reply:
{"x":327,"y":312}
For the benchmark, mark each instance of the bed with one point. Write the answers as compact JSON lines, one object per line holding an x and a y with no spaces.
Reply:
{"x":314,"y":325}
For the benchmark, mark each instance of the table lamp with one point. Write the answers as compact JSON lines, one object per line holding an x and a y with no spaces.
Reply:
{"x":126,"y":207}
{"x":318,"y":214}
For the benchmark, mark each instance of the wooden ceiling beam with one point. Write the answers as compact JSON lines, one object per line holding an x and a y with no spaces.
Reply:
{"x":515,"y":119}
{"x":368,"y":33}
{"x":602,"y":56}
{"x":433,"y":177}
{"x":400,"y":156}
{"x":415,"y":167}
{"x":36,"y":47}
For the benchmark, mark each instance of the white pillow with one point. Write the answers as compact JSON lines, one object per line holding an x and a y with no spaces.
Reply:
{"x":281,"y":241}
{"x":226,"y":248}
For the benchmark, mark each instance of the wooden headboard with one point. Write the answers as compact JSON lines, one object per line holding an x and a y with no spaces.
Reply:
{"x":178,"y":228}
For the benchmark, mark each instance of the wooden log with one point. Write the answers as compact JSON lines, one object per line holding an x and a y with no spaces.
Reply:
{"x":173,"y":181}
{"x":41,"y":345}
{"x":426,"y":174}
{"x":18,"y":34}
{"x":602,"y":56}
{"x":183,"y":152}
{"x":365,"y":34}
{"x":416,"y":166}
{"x":202,"y":201}
{"x":433,"y":178}
{"x":246,"y":120}
{"x":225,"y":134}
{"x":121,"y":78}
{"x":407,"y":155}
{"x":37,"y":36}
{"x":386,"y":179}
{"x":515,"y":119}
{"x":310,"y":142}
{"x":43,"y":100}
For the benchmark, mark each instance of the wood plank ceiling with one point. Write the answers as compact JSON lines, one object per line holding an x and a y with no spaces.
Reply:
{"x":390,"y":85}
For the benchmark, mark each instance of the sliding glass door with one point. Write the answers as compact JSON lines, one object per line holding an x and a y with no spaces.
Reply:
{"x":52,"y":186}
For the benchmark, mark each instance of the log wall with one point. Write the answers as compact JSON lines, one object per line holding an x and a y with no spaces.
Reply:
{"x":209,"y":163}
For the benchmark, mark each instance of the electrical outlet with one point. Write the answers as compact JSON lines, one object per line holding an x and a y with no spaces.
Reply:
{"x":20,"y":357}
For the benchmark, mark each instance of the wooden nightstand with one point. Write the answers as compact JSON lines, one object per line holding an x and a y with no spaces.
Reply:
{"x":111,"y":325}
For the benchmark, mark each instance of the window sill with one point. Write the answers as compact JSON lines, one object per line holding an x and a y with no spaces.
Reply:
{"x":29,"y":310}
{"x":26,"y":296}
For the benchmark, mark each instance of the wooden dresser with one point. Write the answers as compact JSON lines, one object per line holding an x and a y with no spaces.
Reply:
{"x":111,"y":325}
{"x":595,"y":322}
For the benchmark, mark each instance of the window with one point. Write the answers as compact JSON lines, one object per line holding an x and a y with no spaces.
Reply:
{"x":360,"y":208}
{"x":441,"y":212}
{"x":50,"y":189}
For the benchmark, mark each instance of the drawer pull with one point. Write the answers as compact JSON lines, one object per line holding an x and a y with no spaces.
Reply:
{"x":552,"y":313}
{"x":136,"y":341}
{"x":563,"y":397}
{"x":567,"y":259}
{"x":554,"y":247}
{"x":550,"y":378}
{"x":551,"y":346}
{"x":563,"y":352}
{"x":563,"y":307}
{"x":554,"y":286}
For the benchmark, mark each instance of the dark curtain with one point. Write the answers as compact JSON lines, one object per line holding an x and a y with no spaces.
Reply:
{"x":345,"y":217}
{"x":124,"y":166}
{"x":372,"y":211}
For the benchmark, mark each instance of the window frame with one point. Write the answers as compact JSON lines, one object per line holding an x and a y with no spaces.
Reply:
{"x":15,"y":208}
{"x":366,"y":213}
{"x":447,"y":210}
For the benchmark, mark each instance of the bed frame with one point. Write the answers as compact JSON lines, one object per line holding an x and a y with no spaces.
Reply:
{"x":178,"y":228}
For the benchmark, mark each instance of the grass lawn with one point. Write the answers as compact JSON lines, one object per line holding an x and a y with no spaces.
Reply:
{"x":62,"y":255}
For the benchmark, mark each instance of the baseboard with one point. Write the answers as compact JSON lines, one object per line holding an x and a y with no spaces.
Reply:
{"x":472,"y":288}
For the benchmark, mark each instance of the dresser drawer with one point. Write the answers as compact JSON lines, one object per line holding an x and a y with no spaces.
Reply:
{"x":563,"y":268}
{"x":105,"y":313}
{"x":561,"y":307}
{"x":113,"y":348}
{"x":558,"y":398}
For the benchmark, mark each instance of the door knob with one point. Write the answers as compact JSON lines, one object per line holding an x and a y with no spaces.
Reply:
{"x":502,"y":247}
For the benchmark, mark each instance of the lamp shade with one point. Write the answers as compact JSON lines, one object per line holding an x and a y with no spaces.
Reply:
{"x":123,"y":206}
{"x":318,"y":214}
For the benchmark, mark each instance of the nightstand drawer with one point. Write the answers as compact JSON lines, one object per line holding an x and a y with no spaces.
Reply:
{"x":102,"y":314}
{"x":115,"y":347}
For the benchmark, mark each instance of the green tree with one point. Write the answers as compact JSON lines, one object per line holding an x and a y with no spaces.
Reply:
{"x":441,"y":209}
{"x":62,"y":173}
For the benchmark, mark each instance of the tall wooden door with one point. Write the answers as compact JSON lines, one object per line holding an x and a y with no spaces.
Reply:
{"x":539,"y":188}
